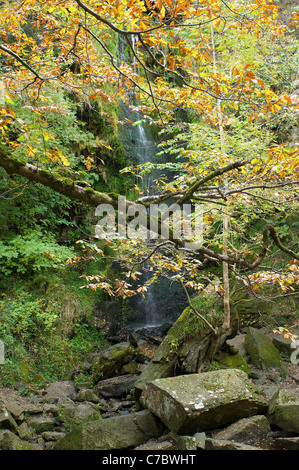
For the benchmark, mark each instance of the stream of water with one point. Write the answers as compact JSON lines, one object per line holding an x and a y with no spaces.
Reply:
{"x":161,"y":302}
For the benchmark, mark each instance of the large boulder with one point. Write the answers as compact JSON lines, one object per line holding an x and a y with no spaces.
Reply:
{"x":284,"y":410}
{"x":204,"y":401}
{"x":261,"y":350}
{"x":108,"y":362}
{"x":119,"y":432}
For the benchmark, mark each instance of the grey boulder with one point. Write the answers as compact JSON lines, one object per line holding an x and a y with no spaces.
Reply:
{"x":199,"y":402}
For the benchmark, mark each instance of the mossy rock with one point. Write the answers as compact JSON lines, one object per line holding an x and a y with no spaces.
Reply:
{"x":72,"y":415}
{"x":261,"y":350}
{"x":118,"y":432}
{"x":225,"y":360}
{"x":9,"y":441}
{"x":283,"y":410}
{"x":109,"y":361}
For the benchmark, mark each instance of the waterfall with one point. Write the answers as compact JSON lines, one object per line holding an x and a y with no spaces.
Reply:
{"x":161,"y":302}
{"x":141,"y":148}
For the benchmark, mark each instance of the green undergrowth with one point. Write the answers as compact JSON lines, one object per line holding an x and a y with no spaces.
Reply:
{"x":47,"y":326}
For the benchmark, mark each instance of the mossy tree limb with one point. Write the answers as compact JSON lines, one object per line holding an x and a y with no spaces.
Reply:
{"x":69,"y":188}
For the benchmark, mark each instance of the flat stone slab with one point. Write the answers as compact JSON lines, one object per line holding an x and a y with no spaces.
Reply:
{"x":199,"y":402}
{"x":219,"y":444}
{"x":245,"y":429}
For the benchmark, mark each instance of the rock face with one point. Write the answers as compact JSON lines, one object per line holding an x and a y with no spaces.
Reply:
{"x":198,"y":402}
{"x":261,"y":350}
{"x":119,"y":432}
{"x":284,"y":410}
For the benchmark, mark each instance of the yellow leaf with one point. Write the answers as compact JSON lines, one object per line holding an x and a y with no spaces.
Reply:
{"x":106,"y":145}
{"x":64,"y":160}
{"x":162,"y":13}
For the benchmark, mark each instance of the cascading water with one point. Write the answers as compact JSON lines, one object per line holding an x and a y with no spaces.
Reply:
{"x":143,"y":149}
{"x":146,"y":152}
{"x":161,"y":302}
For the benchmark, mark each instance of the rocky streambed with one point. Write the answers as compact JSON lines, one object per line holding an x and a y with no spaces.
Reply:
{"x":223,"y":409}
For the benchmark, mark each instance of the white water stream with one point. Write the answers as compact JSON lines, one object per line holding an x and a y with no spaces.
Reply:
{"x":141,"y":148}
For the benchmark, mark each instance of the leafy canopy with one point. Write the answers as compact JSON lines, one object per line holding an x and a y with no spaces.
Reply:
{"x":216,"y":78}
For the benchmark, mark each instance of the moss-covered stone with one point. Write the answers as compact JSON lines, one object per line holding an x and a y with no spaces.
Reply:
{"x":72,"y":415}
{"x":109,"y":361}
{"x":186,"y":343}
{"x":261,"y":350}
{"x":225,"y":360}
{"x":284,"y":410}
{"x":41,"y":423}
{"x":9,"y":441}
{"x":119,"y":432}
